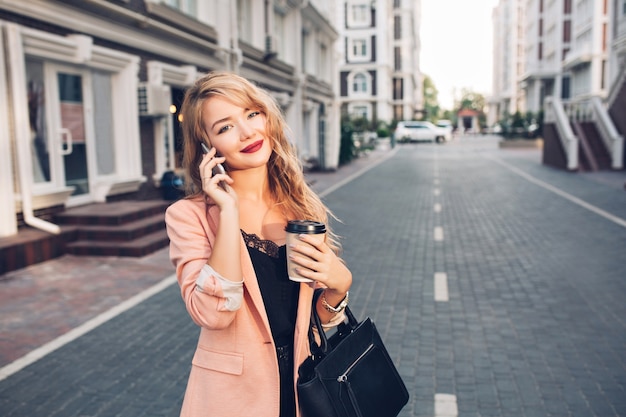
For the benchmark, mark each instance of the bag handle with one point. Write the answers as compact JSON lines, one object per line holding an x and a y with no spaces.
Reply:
{"x":322,"y":349}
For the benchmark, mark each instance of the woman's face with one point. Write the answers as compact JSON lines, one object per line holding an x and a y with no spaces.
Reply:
{"x":237,"y":133}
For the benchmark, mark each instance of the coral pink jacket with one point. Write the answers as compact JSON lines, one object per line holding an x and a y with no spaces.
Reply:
{"x":234,"y":370}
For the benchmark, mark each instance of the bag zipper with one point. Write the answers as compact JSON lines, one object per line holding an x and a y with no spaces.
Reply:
{"x":344,"y":377}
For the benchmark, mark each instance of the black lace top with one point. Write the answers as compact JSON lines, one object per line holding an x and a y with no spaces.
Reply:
{"x":280,"y":294}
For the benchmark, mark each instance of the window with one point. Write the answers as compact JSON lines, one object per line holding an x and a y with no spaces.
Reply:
{"x":360,"y":111}
{"x":279,"y":31}
{"x":397,"y":27}
{"x":244,"y":16}
{"x":397,"y":59}
{"x":359,"y":48}
{"x":304,"y":39}
{"x":567,"y":31}
{"x":567,"y":6}
{"x":397,"y":112}
{"x":323,"y":60}
{"x":37,"y":117}
{"x":359,"y":83}
{"x":360,"y":14}
{"x":103,"y":122}
{"x":398,"y":84}
{"x":90,"y":105}
{"x":188,"y":7}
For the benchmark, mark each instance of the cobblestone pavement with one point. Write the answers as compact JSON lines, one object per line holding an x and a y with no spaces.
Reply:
{"x":497,"y":284}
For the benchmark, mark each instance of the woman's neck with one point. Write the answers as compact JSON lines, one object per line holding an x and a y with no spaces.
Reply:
{"x":251,"y":184}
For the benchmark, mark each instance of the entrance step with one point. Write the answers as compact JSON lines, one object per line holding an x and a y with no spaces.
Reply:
{"x":137,"y":247}
{"x":124,"y":228}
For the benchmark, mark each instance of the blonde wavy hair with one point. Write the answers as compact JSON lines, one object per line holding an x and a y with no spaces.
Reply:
{"x":285,"y":175}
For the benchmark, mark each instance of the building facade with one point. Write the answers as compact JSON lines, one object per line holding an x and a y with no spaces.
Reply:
{"x":94,"y":88}
{"x":617,"y":30}
{"x":379,"y":47}
{"x":508,"y":59}
{"x":586,"y":59}
{"x":572,"y":50}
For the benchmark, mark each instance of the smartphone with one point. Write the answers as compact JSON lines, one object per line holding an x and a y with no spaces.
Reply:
{"x":218,"y":169}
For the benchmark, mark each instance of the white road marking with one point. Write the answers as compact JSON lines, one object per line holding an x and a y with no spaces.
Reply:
{"x":441,"y":286}
{"x":438,"y":234}
{"x":436,"y":191}
{"x":445,"y":405}
{"x":77,"y":332}
{"x":437,"y":208}
{"x":567,"y":196}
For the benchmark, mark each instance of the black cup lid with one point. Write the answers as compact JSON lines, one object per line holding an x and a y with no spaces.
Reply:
{"x":305,"y":226}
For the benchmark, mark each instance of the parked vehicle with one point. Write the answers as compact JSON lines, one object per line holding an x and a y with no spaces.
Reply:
{"x":447,"y":127}
{"x":411,"y":131}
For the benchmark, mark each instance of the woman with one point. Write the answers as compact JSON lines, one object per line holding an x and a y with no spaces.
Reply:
{"x":228,"y":245}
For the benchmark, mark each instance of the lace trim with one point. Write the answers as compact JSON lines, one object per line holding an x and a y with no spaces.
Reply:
{"x":267,"y":247}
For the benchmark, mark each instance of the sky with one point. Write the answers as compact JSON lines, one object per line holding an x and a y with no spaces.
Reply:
{"x":456,"y":38}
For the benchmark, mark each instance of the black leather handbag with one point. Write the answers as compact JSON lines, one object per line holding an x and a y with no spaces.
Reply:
{"x":349,"y":374}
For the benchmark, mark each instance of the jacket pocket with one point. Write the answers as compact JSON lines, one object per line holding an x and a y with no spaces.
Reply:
{"x":226,"y":362}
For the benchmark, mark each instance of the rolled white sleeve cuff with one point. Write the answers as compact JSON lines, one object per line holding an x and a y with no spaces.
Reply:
{"x":231,"y":292}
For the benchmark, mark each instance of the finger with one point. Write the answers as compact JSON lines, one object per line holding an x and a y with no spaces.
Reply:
{"x":314,"y":240}
{"x":304,"y":261}
{"x":313,"y":275}
{"x":309,"y":252}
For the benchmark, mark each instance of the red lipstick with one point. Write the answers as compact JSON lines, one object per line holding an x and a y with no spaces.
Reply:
{"x":253,"y":147}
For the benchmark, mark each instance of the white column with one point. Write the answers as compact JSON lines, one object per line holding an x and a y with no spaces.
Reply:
{"x":8,"y":219}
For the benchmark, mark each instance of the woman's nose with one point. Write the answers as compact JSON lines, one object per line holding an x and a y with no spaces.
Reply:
{"x":245,"y":129}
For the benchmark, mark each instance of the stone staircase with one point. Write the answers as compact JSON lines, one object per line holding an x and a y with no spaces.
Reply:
{"x":123,"y":228}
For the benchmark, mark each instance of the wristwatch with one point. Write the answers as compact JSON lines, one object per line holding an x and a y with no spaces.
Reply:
{"x":337,"y":309}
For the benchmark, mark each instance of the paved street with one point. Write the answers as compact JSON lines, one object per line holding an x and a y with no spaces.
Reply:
{"x":497,"y":283}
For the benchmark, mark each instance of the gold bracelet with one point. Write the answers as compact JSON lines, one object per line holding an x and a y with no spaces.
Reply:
{"x":337,"y":309}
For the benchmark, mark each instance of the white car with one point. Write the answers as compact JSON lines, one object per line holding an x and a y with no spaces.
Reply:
{"x":410,"y":131}
{"x":446,"y":126}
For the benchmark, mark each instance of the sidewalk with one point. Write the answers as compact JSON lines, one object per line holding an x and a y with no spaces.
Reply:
{"x":44,"y":301}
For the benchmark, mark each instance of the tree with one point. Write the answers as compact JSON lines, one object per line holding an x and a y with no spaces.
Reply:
{"x":431,"y":102}
{"x":473,"y":101}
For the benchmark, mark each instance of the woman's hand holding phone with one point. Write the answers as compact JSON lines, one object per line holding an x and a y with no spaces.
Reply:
{"x":214,"y":178}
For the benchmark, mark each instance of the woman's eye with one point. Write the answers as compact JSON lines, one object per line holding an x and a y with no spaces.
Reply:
{"x":253,"y":114}
{"x":223,"y":129}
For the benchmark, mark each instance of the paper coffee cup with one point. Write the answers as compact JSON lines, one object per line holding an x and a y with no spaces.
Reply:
{"x":294,"y":229}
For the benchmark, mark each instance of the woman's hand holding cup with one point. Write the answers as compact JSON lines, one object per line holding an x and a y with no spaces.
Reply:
{"x":310,"y":259}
